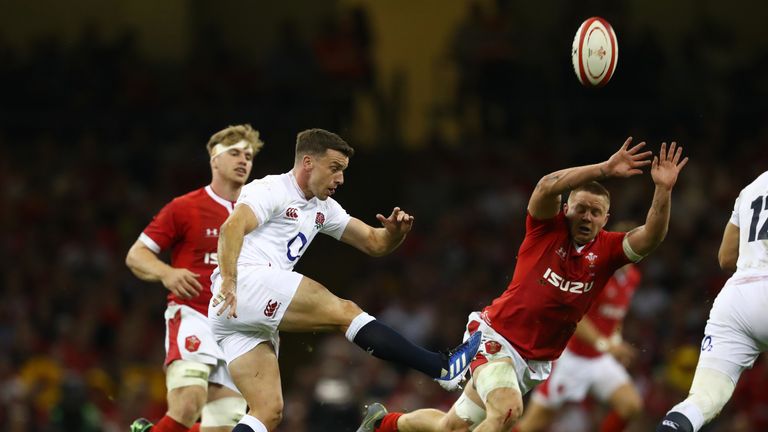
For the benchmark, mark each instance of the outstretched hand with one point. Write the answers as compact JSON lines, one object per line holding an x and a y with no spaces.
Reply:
{"x":667,"y":165}
{"x":398,"y":223}
{"x":627,"y":161}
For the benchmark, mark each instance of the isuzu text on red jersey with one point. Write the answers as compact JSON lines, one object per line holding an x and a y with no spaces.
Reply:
{"x":553,"y":286}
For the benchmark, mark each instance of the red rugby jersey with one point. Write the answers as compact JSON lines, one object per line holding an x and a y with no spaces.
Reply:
{"x":189,"y":226}
{"x":609,"y":308}
{"x":553,"y":286}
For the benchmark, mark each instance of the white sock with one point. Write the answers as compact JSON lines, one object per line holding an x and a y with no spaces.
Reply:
{"x":692,"y":412}
{"x":359,"y":322}
{"x":253,"y":423}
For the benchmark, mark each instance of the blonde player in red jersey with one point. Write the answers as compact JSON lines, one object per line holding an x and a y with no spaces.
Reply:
{"x":563,"y":264}
{"x":198,"y":383}
{"x":593,"y":362}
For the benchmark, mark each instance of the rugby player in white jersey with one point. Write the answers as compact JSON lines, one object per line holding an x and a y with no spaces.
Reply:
{"x":737,"y":329}
{"x":256,"y":293}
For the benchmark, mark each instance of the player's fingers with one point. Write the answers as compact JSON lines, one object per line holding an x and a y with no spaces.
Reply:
{"x":663,"y":152}
{"x":395,"y":210}
{"x":636,"y":148}
{"x":682,"y":164}
{"x":626,"y":144}
{"x":192,"y":280}
{"x":643,"y":155}
{"x":672,"y":148}
{"x":678,"y":153}
{"x":655,"y":163}
{"x":183,"y":290}
{"x":380,"y":217}
{"x":232,"y":308}
{"x":191,"y":287}
{"x":220,"y":298}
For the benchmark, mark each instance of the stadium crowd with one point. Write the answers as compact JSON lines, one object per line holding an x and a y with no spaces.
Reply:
{"x":94,"y":139}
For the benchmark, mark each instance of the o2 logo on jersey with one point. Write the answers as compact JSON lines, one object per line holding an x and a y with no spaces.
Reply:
{"x":211,"y":258}
{"x":295,"y":248}
{"x":566,"y":285}
{"x":706,"y":344}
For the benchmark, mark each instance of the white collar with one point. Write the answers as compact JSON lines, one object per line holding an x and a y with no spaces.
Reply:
{"x":227,"y":204}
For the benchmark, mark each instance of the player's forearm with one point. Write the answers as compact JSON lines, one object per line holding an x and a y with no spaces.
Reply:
{"x":567,"y":179}
{"x":587,"y":332}
{"x":146,"y":265}
{"x":230,"y":242}
{"x":383,"y":242}
{"x":657,"y":221}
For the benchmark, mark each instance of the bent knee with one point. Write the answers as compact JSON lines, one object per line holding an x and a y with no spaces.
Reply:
{"x":632,"y":407}
{"x":504,"y":407}
{"x":348,"y":310}
{"x":186,"y":411}
{"x":271,"y":414}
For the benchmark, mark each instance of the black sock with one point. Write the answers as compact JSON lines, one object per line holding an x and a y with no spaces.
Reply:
{"x":385,"y":343}
{"x":675,"y":422}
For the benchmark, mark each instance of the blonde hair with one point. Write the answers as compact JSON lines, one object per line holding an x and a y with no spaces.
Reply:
{"x":234,"y":134}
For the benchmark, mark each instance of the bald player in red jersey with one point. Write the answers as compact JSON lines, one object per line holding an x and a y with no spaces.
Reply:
{"x":198,"y":383}
{"x":564,"y":262}
{"x":593,"y":362}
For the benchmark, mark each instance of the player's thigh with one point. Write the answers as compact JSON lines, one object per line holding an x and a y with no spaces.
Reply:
{"x":536,"y":417}
{"x":606,"y":377}
{"x":257,"y":375}
{"x":737,"y":328}
{"x":315,"y":308}
{"x":496,"y":385}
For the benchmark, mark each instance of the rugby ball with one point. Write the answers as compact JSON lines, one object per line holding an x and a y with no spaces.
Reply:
{"x":595,"y":52}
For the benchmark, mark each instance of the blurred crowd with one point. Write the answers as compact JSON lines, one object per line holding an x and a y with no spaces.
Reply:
{"x":95,"y":139}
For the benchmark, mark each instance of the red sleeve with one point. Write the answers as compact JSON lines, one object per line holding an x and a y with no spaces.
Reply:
{"x":163,"y":230}
{"x":614,"y":242}
{"x":538,"y":227}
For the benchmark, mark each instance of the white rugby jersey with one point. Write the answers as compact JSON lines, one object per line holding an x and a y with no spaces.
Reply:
{"x":750,"y":214}
{"x":288,"y":222}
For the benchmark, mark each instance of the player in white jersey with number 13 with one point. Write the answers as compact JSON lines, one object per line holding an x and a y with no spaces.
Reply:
{"x":256,"y":292}
{"x":737,"y":329}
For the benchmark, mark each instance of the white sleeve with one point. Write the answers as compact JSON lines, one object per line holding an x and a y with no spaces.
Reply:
{"x":336,"y":220}
{"x":263,"y":199}
{"x":735,"y":214}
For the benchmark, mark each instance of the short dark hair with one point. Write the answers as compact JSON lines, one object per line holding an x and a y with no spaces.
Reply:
{"x":317,"y":141}
{"x":593,"y":187}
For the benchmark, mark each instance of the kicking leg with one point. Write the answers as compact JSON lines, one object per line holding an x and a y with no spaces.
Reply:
{"x":314,"y":308}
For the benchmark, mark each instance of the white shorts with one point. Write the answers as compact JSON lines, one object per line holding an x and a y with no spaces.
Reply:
{"x":263,"y":296}
{"x":494,"y":347}
{"x":737,"y":329}
{"x":573,"y":376}
{"x":188,"y":336}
